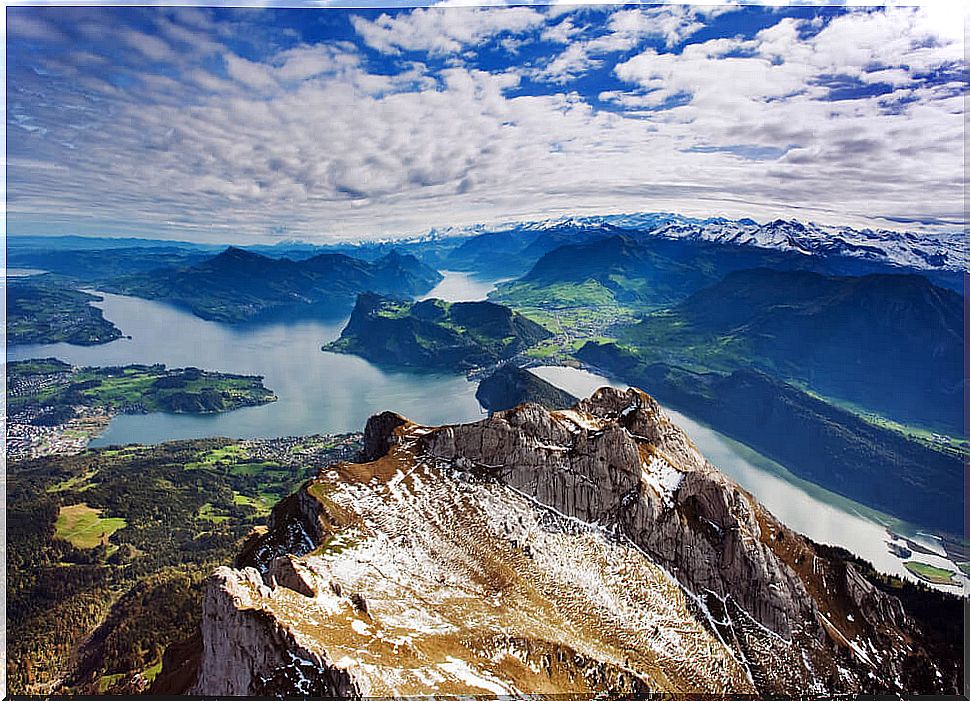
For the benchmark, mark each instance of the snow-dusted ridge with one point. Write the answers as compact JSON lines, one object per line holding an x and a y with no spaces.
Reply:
{"x":588,"y":551}
{"x":947,"y":250}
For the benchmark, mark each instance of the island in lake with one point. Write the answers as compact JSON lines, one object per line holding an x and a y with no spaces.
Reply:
{"x":54,"y":407}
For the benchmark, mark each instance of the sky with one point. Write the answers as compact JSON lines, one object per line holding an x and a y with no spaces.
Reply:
{"x":262,"y":124}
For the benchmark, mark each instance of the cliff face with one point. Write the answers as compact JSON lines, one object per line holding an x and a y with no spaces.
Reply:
{"x":583,"y":550}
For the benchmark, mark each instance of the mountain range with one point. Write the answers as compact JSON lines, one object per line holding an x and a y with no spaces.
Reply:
{"x":890,"y":343}
{"x":238,"y":285}
{"x":945,"y":253}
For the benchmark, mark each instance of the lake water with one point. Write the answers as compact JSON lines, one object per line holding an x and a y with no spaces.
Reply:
{"x":823,"y":516}
{"x":329,"y":393}
{"x":461,"y":287}
{"x":318,"y":392}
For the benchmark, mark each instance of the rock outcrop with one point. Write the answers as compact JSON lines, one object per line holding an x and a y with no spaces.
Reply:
{"x":586,"y":550}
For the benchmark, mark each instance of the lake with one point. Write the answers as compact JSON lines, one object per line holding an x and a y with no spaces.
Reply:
{"x":318,"y":392}
{"x":332,"y":393}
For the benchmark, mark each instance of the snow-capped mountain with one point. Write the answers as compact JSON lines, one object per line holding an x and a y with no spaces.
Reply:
{"x":948,"y":251}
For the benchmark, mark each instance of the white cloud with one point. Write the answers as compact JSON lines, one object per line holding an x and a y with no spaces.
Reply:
{"x":249,"y":73}
{"x":150,"y":46}
{"x":309,"y":139}
{"x":625,"y":30}
{"x":437,"y":30}
{"x":21,"y":26}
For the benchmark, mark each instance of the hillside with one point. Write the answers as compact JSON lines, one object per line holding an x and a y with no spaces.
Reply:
{"x":110,"y":549}
{"x":510,"y":386}
{"x":434,"y":334}
{"x":890,"y":343}
{"x":238,"y":285}
{"x":586,"y":551}
{"x":512,"y":252}
{"x":42,"y":311}
{"x":813,"y":439}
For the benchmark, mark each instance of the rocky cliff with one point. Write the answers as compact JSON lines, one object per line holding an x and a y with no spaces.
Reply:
{"x":584,"y":550}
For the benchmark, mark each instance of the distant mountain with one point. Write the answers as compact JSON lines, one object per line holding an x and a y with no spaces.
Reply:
{"x":650,"y":272}
{"x":891,"y":343}
{"x":817,"y":441}
{"x":947,"y":254}
{"x":512,"y":252}
{"x":98,"y":243}
{"x":96,"y":265}
{"x":904,"y":249}
{"x":239,"y":285}
{"x":434,"y":334}
{"x":510,"y":386}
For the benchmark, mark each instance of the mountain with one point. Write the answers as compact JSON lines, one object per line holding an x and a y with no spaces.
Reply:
{"x":655,"y":271}
{"x":510,"y":386}
{"x":941,"y":256}
{"x":592,"y":550}
{"x":815,"y":440}
{"x":891,"y":343}
{"x":512,"y":252}
{"x":18,"y":243}
{"x":945,"y":251}
{"x":238,"y":285}
{"x":434,"y":334}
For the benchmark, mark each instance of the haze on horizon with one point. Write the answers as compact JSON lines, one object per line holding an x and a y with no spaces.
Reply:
{"x":252,"y":125}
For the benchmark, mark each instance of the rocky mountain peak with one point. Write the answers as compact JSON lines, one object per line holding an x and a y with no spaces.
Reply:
{"x":535,"y":551}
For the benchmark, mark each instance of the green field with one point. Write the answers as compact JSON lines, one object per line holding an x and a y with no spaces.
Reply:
{"x":55,"y":387}
{"x":929,"y":573}
{"x":83,"y":527}
{"x":170,"y":514}
{"x":43,"y":311}
{"x":572,"y":310}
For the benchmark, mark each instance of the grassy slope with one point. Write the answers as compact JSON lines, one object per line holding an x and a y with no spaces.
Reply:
{"x":147,"y":388}
{"x":43,"y":312}
{"x":143,"y":591}
{"x":83,"y":527}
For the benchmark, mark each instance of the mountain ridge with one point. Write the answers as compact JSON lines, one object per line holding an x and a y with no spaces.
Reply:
{"x":237,"y":285}
{"x":523,"y":530}
{"x":434,"y":334}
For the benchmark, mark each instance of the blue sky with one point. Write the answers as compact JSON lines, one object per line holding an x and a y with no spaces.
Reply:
{"x":252,"y":124}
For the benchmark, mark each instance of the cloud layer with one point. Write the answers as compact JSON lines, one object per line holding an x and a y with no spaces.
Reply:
{"x":253,"y":124}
